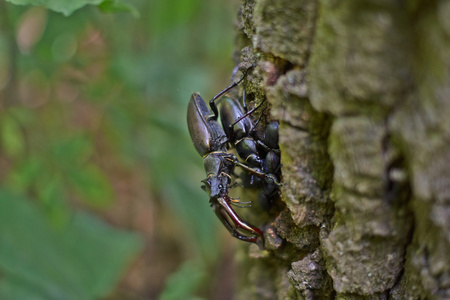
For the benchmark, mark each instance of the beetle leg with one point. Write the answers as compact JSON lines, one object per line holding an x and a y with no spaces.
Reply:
{"x":263,"y":113}
{"x":267,"y":148}
{"x":247,"y":114}
{"x":244,"y":95}
{"x":212,"y":102}
{"x":235,"y":70}
{"x":269,"y":177}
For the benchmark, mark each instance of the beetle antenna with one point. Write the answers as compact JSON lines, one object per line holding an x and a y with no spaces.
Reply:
{"x":260,"y":117}
{"x":238,"y":203}
{"x":241,"y":206}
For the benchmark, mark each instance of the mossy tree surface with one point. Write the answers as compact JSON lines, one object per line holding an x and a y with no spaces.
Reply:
{"x":361,"y":90}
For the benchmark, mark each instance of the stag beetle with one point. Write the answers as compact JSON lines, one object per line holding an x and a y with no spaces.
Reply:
{"x":210,"y":141}
{"x":271,"y":163}
{"x":261,"y":158}
{"x":262,"y":155}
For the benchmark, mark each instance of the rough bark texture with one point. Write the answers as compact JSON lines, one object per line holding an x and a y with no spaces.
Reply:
{"x":362,"y":93}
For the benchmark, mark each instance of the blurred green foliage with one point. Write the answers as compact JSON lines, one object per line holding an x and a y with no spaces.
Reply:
{"x":87,"y":100}
{"x":83,"y":260}
{"x":67,"y":7}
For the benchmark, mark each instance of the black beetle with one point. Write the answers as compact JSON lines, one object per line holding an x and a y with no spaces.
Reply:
{"x":210,"y":141}
{"x":271,"y":163}
{"x":264,"y":156}
{"x":238,"y":129}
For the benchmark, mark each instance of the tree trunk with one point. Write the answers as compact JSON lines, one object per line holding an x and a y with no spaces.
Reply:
{"x":362,"y":93}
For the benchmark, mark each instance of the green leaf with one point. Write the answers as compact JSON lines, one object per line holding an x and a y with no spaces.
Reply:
{"x":83,"y":260}
{"x":67,"y":7}
{"x":114,"y":6}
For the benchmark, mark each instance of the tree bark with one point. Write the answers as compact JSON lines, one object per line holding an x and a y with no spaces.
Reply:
{"x":362,"y":93}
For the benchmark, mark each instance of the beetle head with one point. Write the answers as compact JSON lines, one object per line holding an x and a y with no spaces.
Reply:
{"x":216,"y":185}
{"x":218,"y":167}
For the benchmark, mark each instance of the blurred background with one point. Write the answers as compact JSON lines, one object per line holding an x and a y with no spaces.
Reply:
{"x":100,"y":192}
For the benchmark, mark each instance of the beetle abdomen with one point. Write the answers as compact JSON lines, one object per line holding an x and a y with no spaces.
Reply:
{"x":231,"y":111}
